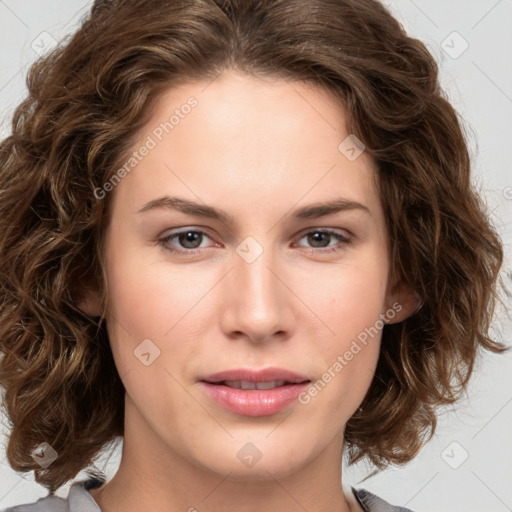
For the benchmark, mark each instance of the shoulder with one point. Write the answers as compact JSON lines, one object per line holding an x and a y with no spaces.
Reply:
{"x":372,"y":503}
{"x":46,"y":504}
{"x":78,"y":500}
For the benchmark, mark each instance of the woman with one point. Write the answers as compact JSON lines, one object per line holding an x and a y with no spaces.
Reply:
{"x":242,"y":236}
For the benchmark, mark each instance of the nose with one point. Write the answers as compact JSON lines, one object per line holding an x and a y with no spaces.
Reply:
{"x":258,"y":301}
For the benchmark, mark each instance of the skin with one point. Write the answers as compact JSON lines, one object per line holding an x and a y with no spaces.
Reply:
{"x":257,"y":149}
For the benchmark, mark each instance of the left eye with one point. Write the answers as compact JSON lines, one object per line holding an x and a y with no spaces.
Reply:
{"x":319,"y":236}
{"x":190,"y":240}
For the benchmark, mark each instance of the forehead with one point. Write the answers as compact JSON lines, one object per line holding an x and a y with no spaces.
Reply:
{"x":244,"y":140}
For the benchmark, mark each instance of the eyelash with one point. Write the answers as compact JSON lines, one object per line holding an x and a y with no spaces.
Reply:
{"x":164,"y":241}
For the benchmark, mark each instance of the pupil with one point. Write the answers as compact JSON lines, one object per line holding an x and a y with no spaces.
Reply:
{"x":317,"y":238}
{"x":189,"y":237}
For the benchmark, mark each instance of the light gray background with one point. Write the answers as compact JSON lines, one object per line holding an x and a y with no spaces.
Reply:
{"x":479,"y":84}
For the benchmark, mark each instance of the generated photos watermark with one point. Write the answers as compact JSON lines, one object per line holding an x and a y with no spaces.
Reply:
{"x":343,"y":360}
{"x":151,"y":142}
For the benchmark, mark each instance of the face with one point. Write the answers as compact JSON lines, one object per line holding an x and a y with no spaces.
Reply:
{"x":270,"y":283}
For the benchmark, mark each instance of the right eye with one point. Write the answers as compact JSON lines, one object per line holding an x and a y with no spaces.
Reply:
{"x":190,"y":240}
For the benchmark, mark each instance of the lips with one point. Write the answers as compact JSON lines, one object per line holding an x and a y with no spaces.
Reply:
{"x":248,"y":375}
{"x":250,"y":392}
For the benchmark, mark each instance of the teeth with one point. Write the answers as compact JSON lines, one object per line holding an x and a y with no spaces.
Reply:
{"x":245,"y":384}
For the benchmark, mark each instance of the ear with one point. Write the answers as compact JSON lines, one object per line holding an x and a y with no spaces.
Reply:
{"x":90,"y":301}
{"x":401,"y":302}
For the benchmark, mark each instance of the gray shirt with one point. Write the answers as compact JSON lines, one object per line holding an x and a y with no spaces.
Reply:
{"x":80,"y":500}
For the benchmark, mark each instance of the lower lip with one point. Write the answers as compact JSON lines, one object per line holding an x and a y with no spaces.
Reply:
{"x":254,"y":402}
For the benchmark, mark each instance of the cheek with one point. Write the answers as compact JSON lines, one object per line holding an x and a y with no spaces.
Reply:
{"x":164,"y":303}
{"x":348,"y":298}
{"x":150,"y":297}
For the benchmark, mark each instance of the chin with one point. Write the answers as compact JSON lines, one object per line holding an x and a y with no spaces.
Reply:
{"x":276,"y":465}
{"x":261,"y":473}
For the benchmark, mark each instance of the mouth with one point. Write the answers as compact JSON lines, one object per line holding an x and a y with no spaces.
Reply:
{"x":251,"y":385}
{"x":249,"y":378}
{"x":250,"y":392}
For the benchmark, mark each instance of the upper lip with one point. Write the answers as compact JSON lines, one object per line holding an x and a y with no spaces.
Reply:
{"x":252,"y":375}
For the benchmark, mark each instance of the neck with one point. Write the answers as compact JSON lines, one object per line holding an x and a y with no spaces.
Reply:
{"x":152,"y":476}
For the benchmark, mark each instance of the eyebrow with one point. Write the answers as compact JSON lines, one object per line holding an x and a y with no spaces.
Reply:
{"x":312,"y":211}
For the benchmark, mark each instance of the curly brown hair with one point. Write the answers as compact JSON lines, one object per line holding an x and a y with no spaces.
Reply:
{"x":87,"y":100}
